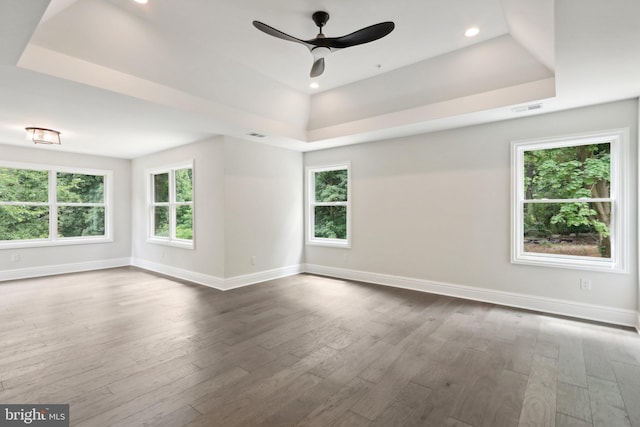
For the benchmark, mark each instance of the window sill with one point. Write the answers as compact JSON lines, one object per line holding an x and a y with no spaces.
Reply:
{"x":331,"y":243}
{"x":58,"y":242}
{"x":574,"y":263}
{"x":186,"y":244}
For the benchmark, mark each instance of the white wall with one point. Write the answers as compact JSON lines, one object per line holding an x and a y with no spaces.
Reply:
{"x":38,"y":261}
{"x":263,"y":207}
{"x":248,"y":202}
{"x":436,"y":207}
{"x":208,"y":256}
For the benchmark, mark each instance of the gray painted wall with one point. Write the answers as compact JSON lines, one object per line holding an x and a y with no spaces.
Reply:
{"x":248,"y":202}
{"x":263,"y":207}
{"x":208,"y":255}
{"x":437,"y":207}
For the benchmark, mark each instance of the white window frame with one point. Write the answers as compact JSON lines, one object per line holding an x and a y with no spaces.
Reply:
{"x":53,"y":204}
{"x":618,"y":196}
{"x":170,"y":240}
{"x":311,"y":204}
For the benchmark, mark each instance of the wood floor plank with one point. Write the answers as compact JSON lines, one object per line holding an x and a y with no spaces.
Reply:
{"x":563,"y":420}
{"x":351,"y":419}
{"x":410,"y":408}
{"x":223,"y":404}
{"x":574,"y":401}
{"x":179,"y":417}
{"x":571,"y":366}
{"x":128,"y":347}
{"x":547,"y":349}
{"x":299,"y":407}
{"x":539,"y":406}
{"x":628,"y":378}
{"x":167,"y":407}
{"x":334,"y":407}
{"x":408,"y":365}
{"x":126,"y":404}
{"x":607,"y":406}
{"x":597,"y":363}
{"x":493,"y":399}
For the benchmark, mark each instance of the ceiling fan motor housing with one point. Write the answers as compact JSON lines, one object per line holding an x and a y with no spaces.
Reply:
{"x":320,"y":18}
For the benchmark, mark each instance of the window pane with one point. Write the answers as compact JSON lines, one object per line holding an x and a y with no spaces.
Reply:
{"x":161,"y":188}
{"x":24,"y":222}
{"x":331,"y":186}
{"x":580,"y":229}
{"x":161,"y":221}
{"x":184,"y":180}
{"x":23,"y":185}
{"x":568,"y":172}
{"x":77,"y":221}
{"x":184,"y":222}
{"x":330,"y":222}
{"x":80,"y":188}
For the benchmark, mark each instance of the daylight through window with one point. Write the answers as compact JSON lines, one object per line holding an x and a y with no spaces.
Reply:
{"x":52,"y":206}
{"x":328,"y":207}
{"x":171,"y":205}
{"x":569,"y":209}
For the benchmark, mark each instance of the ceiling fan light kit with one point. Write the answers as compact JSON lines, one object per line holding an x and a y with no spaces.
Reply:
{"x":321,"y":46}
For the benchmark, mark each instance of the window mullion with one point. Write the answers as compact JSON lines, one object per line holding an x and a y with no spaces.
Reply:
{"x":53,"y":205}
{"x":172,"y":203}
{"x":578,"y":200}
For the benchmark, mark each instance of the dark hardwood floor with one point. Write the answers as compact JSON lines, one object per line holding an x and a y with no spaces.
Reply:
{"x":127,"y":347}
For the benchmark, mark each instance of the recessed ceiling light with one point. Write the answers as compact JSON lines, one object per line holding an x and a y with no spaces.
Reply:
{"x":314,"y":85}
{"x":142,"y":1}
{"x":472,"y":32}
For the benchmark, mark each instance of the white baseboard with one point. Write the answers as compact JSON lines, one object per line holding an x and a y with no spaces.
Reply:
{"x":180,"y":273}
{"x":262,"y":276}
{"x":217,"y":282}
{"x":50,"y":270}
{"x":530,"y":302}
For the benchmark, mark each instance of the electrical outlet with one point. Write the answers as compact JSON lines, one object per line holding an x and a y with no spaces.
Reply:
{"x":15,"y":257}
{"x":253,"y":260}
{"x":585,"y":284}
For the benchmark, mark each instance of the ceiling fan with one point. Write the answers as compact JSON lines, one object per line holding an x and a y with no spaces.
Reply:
{"x":322,"y":46}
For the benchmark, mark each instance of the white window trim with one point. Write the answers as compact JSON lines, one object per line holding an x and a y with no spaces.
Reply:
{"x":53,"y":205}
{"x":311,"y":203}
{"x":171,"y":240}
{"x":619,"y":195}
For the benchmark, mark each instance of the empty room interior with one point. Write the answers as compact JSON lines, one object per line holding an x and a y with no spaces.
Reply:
{"x":303,"y":213}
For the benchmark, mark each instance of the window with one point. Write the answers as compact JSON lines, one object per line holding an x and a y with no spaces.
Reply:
{"x":570,"y":199}
{"x":328,"y":220}
{"x":42,"y":206}
{"x":171,"y":205}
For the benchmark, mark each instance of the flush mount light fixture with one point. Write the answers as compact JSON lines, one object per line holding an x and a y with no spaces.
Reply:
{"x":43,"y":136}
{"x":472,"y":32}
{"x":142,"y":1}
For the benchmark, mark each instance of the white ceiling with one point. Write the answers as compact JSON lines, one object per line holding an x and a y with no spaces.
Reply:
{"x":123,"y":79}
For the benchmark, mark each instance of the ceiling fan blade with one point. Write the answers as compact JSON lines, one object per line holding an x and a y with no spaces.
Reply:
{"x":277,"y":33}
{"x":364,"y":35}
{"x":317,"y":68}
